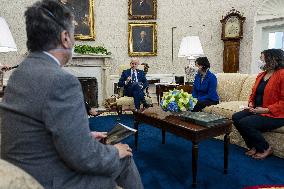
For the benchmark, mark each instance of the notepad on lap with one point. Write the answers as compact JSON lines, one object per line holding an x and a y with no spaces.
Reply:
{"x":118,"y":133}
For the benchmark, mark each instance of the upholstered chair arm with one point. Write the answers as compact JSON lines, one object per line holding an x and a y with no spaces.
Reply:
{"x":120,"y":91}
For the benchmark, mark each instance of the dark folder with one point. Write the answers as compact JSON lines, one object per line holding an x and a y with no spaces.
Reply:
{"x":202,"y":118}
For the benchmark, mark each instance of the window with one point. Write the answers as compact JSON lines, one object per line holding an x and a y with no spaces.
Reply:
{"x":276,"y":40}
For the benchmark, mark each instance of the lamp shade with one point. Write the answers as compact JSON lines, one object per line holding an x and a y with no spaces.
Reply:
{"x":7,"y":42}
{"x":190,"y":46}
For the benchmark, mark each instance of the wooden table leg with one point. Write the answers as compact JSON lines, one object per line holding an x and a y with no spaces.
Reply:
{"x":163,"y":136}
{"x":194,"y":163}
{"x":158,"y":93}
{"x":136,"y":123}
{"x":226,"y":152}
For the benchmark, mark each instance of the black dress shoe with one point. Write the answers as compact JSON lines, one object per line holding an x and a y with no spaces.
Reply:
{"x":146,"y":105}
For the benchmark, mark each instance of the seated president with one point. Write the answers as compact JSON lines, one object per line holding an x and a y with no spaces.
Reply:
{"x":134,"y":82}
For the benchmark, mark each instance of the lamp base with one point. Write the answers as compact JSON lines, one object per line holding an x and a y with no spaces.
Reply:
{"x":190,"y":71}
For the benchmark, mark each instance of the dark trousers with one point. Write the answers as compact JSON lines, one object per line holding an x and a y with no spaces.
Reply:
{"x":134,"y":90}
{"x":250,"y":126}
{"x":200,"y":105}
{"x":127,"y":176}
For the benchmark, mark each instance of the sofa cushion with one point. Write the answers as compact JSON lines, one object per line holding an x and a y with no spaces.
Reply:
{"x":14,"y":177}
{"x":247,"y":87}
{"x":230,"y":85}
{"x":279,"y":130}
{"x":227,"y":109}
{"x":208,"y":109}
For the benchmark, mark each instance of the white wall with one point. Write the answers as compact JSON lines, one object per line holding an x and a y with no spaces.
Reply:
{"x":191,"y":17}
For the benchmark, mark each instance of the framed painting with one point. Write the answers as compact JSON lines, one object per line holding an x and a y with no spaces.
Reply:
{"x":142,"y":9}
{"x":83,"y":11}
{"x":142,"y":39}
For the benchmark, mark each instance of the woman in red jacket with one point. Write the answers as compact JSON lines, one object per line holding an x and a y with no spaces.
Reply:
{"x":265,"y":109}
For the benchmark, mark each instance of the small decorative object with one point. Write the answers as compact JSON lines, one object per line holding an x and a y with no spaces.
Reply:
{"x":142,"y":9}
{"x":177,"y":101}
{"x":87,"y":49}
{"x":142,"y":39}
{"x":190,"y":72}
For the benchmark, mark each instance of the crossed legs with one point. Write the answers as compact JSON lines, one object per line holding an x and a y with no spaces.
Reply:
{"x":251,"y":126}
{"x":137,"y":93}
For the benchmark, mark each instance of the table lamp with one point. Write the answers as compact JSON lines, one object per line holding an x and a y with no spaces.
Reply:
{"x":7,"y":43}
{"x":191,"y":48}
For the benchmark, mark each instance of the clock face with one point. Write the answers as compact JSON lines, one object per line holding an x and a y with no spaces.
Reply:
{"x":232,"y":27}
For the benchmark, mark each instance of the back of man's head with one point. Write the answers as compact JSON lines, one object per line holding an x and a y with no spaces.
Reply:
{"x":45,"y":20}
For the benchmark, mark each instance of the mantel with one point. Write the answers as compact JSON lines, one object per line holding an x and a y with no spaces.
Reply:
{"x":87,"y":60}
{"x":90,"y":56}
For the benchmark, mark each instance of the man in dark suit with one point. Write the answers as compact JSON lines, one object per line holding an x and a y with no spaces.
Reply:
{"x":141,"y":7}
{"x":142,"y":44}
{"x":134,"y":83}
{"x":45,"y":127}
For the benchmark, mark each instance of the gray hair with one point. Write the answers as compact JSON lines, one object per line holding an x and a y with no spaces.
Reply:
{"x":45,"y":20}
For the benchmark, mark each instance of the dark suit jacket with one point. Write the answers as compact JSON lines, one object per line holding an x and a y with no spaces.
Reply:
{"x":45,"y":129}
{"x":126,"y":73}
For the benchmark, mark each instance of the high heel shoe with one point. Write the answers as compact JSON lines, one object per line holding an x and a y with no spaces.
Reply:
{"x":251,"y":152}
{"x":263,"y":155}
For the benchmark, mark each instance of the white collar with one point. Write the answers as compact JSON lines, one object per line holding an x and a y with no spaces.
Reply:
{"x":53,"y":57}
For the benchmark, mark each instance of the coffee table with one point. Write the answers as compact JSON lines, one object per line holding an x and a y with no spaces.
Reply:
{"x":169,"y":122}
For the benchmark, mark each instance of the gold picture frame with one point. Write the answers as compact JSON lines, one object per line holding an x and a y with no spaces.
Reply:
{"x":84,"y":18}
{"x":142,"y":39}
{"x":142,"y":9}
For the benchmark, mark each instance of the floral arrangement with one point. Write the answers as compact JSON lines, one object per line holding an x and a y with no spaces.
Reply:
{"x":177,"y":101}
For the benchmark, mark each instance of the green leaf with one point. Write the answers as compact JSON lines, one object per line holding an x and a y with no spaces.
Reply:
{"x":87,"y":49}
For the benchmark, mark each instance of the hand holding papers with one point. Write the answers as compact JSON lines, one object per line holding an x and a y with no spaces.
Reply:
{"x":118,"y":133}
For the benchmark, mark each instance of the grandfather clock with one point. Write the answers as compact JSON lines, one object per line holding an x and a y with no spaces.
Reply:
{"x":232,"y":33}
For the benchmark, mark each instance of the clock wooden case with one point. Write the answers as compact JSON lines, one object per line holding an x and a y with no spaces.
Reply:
{"x":232,"y":33}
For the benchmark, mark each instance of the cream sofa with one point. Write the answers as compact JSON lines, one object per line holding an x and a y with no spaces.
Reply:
{"x":234,"y":90}
{"x":12,"y":177}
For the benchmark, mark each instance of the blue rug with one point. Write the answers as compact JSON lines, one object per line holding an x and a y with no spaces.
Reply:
{"x":169,"y":166}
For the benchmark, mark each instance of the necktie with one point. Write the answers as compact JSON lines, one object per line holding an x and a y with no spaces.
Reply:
{"x":133,"y":78}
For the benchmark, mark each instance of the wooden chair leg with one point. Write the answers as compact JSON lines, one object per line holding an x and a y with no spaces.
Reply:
{"x":119,"y":112}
